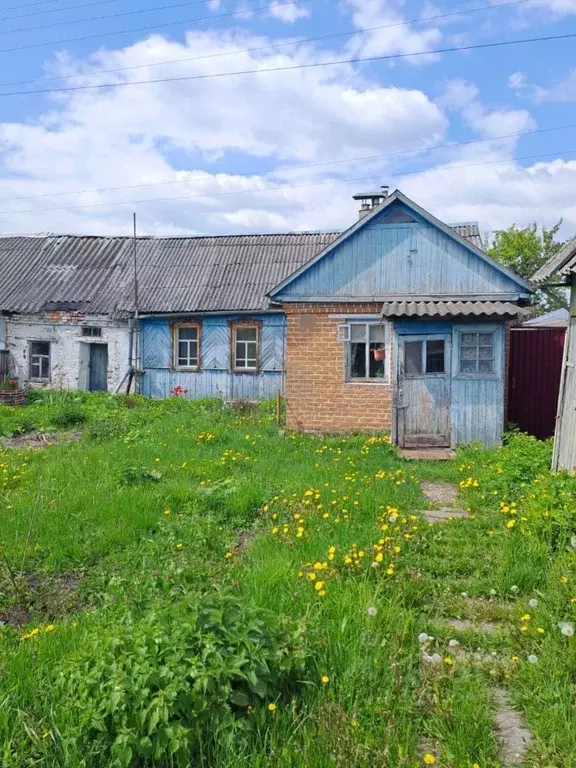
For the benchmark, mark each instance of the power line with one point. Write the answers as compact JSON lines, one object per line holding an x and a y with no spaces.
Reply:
{"x":50,"y":10}
{"x":293,"y":67}
{"x":29,"y":5}
{"x":283,"y":169}
{"x":272,"y":46}
{"x":118,"y":15}
{"x":285,"y":187}
{"x":149,"y":27}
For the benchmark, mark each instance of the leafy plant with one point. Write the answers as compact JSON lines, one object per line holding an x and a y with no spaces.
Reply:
{"x":70,"y":416}
{"x":168,"y":686}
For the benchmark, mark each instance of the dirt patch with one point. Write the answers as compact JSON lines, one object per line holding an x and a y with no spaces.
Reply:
{"x":45,"y":598}
{"x":440,"y":493}
{"x":512,"y":735}
{"x":38,"y":439}
{"x":443,"y":514}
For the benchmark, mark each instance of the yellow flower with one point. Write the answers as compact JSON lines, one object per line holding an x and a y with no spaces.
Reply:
{"x":228,"y":555}
{"x":274,"y":531}
{"x":448,"y":661}
{"x":166,"y":512}
{"x":390,"y":571}
{"x":50,"y":628}
{"x":541,"y":630}
{"x":312,"y":576}
{"x":272,"y":707}
{"x":429,"y":759}
{"x":319,"y":586}
{"x":564,"y":579}
{"x":324,"y":679}
{"x":526,"y":617}
{"x":332,"y":550}
{"x":180,"y":545}
{"x":510,"y":523}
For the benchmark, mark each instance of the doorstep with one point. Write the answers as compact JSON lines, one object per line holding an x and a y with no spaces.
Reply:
{"x":427,"y":454}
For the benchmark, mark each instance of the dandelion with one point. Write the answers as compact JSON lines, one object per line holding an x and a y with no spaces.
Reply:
{"x":324,"y":679}
{"x":429,"y":759}
{"x":532,"y":658}
{"x":566,"y":628}
{"x":453,"y":644}
{"x":423,"y":637}
{"x":272,"y":707}
{"x":463,"y":594}
{"x":533,"y":603}
{"x":319,"y":586}
{"x":448,"y":661}
{"x":166,"y":512}
{"x":371,"y":611}
{"x":573,"y":542}
{"x":526,"y":617}
{"x":540,"y":630}
{"x":493,"y":592}
{"x":50,"y":628}
{"x":229,"y":555}
{"x":179,"y":545}
{"x":564,"y":579}
{"x":514,"y":589}
{"x":510,"y":523}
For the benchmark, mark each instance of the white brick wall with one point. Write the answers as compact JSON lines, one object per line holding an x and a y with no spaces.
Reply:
{"x":68,"y":348}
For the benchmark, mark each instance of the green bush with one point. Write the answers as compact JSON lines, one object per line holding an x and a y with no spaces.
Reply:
{"x":70,"y":416}
{"x":167,"y":687}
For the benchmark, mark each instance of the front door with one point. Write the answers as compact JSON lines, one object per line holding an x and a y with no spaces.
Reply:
{"x":98,"y":368}
{"x":423,"y":394}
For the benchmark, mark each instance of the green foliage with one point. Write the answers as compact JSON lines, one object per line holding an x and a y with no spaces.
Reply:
{"x":70,"y":416}
{"x":525,"y":250}
{"x":168,"y":686}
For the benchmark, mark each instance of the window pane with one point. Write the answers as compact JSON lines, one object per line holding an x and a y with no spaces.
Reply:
{"x":485,"y":338}
{"x":358,"y":361}
{"x":240,"y":354}
{"x":44,"y":368}
{"x":40,"y":348}
{"x":358,"y":332}
{"x":468,"y":338}
{"x":468,"y":366}
{"x":252,"y":351}
{"x":486,"y":366}
{"x":35,"y":369}
{"x":377,"y":333}
{"x":468,"y":353}
{"x":413,"y":358}
{"x":434,"y":357}
{"x":187,"y":333}
{"x":485,"y":353}
{"x":246,"y":334}
{"x":377,"y":368}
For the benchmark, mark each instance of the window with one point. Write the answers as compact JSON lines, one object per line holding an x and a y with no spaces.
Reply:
{"x":366,"y":352}
{"x":245,"y":339}
{"x":40,"y":360}
{"x":476,"y":352}
{"x":424,"y":358}
{"x":187,"y":346}
{"x":92,"y":331}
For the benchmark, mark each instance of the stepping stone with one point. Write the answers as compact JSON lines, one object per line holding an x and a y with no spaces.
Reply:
{"x":511,"y":732}
{"x":427,"y":454}
{"x":443,"y":514}
{"x":461,"y":625}
{"x":440,"y":493}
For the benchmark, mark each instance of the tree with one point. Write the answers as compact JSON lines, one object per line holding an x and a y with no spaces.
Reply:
{"x":525,"y":250}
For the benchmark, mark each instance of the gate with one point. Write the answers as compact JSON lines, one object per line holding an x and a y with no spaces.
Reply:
{"x":534,"y":379}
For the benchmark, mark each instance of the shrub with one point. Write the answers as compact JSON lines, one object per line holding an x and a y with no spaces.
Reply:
{"x":69,"y":416}
{"x":166,"y":688}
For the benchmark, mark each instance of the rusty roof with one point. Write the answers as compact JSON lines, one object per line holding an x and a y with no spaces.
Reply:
{"x":94,"y":275}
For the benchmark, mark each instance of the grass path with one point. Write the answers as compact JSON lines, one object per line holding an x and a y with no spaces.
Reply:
{"x":413,"y":635}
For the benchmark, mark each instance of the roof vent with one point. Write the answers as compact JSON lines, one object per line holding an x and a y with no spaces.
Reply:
{"x":370,"y":200}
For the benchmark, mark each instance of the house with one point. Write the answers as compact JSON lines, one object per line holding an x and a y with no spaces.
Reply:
{"x":561,"y":269}
{"x":60,"y":325}
{"x":399,"y":323}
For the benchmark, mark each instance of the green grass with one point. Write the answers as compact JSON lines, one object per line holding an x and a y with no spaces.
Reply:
{"x":163,"y":507}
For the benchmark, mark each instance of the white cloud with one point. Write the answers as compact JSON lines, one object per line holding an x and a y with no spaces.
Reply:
{"x":396,"y":37}
{"x":517,"y":81}
{"x":457,"y":94}
{"x":214,"y":5}
{"x":288,"y":14}
{"x":558,"y":7}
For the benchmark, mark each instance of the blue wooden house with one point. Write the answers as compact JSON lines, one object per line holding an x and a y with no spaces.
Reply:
{"x":398,"y":323}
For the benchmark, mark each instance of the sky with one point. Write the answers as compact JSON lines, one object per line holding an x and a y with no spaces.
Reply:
{"x":486,"y":134}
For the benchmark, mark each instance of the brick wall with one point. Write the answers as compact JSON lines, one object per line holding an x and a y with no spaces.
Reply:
{"x":317,"y":396}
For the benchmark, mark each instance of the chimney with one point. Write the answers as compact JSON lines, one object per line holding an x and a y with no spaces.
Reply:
{"x":370,"y":200}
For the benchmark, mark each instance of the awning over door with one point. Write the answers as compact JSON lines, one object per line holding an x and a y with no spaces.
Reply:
{"x":451,"y":309}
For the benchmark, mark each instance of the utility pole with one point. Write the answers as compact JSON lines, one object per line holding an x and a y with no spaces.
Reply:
{"x":134,"y":329}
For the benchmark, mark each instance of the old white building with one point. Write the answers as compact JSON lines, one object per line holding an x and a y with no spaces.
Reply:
{"x":59,"y":310}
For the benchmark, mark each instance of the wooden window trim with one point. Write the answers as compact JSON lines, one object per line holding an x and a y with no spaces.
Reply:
{"x":36,"y":378}
{"x":236,"y":325}
{"x":370,"y":381}
{"x":175,"y":339}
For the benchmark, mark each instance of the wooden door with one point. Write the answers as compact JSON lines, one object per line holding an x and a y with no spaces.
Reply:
{"x":98,"y":368}
{"x":423,"y":394}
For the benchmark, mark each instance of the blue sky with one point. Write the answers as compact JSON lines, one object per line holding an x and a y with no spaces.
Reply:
{"x":277,"y":151}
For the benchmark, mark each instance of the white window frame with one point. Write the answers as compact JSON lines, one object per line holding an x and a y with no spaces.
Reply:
{"x":346,"y":335}
{"x":176,"y":349}
{"x":245,"y":368}
{"x":477,"y":374}
{"x":37,"y":359}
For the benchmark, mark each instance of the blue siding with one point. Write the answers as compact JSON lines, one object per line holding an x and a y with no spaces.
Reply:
{"x":477,"y":402}
{"x":399,"y":259}
{"x":215,"y":378}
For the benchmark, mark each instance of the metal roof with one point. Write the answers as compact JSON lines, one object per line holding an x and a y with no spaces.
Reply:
{"x":558,"y":318}
{"x":470,"y":231}
{"x":450,"y":308}
{"x":563,"y":263}
{"x":180,"y":274}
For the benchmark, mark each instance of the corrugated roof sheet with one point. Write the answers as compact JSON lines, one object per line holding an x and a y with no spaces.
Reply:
{"x":470,"y":231}
{"x":563,"y":263}
{"x":450,"y":308}
{"x":181,"y":274}
{"x":555,"y":319}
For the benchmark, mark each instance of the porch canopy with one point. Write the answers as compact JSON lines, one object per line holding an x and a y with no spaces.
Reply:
{"x":451,"y":309}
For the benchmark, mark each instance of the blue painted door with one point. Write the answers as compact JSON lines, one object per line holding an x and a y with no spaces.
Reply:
{"x":98,"y":368}
{"x":423,"y":394}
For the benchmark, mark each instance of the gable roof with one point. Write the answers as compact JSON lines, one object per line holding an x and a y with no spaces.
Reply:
{"x":563,"y":263}
{"x":180,"y":274}
{"x":398,"y":196}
